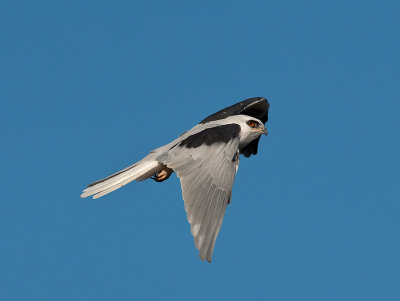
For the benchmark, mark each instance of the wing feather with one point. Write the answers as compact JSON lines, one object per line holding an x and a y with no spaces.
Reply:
{"x":206,"y":173}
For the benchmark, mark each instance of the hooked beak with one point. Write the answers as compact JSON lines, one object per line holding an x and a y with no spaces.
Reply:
{"x":265,"y":131}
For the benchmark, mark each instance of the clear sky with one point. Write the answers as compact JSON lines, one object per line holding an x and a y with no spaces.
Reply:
{"x":90,"y":87}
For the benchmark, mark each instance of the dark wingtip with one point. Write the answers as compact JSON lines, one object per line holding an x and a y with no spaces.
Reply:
{"x":255,"y":106}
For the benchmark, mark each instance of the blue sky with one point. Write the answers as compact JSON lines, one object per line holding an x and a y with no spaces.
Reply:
{"x":89,"y":87}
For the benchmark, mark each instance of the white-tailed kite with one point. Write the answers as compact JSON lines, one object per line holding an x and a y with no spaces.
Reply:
{"x":206,"y":159}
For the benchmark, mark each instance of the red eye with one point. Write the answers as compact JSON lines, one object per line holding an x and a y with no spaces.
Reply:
{"x":251,"y":123}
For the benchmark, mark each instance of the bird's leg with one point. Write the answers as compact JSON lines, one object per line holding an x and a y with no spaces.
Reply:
{"x":163,"y":174}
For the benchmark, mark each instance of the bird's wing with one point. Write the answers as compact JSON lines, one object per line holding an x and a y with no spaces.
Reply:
{"x":256,"y":107}
{"x":206,"y":173}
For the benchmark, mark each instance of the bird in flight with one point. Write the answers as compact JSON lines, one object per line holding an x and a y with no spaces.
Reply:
{"x":206,"y":159}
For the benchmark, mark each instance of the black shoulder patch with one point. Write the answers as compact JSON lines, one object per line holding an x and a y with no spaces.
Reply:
{"x":256,"y":107}
{"x":221,"y":133}
{"x":251,"y":148}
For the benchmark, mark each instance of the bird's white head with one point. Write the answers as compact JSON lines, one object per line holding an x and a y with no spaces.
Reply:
{"x":251,"y":128}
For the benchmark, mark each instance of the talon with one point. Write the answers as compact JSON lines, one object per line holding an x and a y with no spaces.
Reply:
{"x":155,"y":177}
{"x":162,"y":175}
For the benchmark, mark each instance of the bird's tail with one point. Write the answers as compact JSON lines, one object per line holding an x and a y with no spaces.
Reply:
{"x":138,"y":171}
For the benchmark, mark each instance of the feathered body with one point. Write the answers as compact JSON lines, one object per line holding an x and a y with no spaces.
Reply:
{"x":205,"y":159}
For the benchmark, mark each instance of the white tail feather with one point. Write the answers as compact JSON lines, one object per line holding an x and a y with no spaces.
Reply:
{"x":139,"y":171}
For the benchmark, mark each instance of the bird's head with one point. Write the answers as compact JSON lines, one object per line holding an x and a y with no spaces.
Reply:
{"x":256,"y":126}
{"x":251,"y":128}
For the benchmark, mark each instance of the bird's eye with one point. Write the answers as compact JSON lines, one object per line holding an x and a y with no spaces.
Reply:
{"x":252,"y":123}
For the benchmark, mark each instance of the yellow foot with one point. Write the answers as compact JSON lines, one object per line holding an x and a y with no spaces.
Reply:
{"x":163,"y":174}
